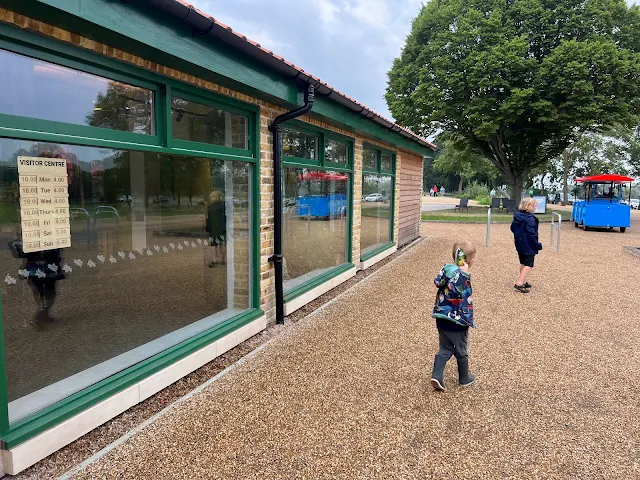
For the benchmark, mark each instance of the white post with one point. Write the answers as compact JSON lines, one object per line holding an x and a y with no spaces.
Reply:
{"x":488,"y":226}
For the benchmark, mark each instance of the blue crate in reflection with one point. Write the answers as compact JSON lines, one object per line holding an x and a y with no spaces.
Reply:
{"x":322,"y":206}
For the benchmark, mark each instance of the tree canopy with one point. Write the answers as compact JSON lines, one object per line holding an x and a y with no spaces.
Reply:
{"x":519,"y":79}
{"x":456,"y":157}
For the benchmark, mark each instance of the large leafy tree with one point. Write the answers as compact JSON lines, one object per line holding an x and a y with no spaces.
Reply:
{"x":455,"y":156}
{"x":519,"y":79}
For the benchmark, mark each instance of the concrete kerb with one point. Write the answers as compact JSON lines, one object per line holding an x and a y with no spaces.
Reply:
{"x":287,"y":327}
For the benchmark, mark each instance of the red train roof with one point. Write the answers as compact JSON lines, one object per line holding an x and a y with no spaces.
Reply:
{"x":605,"y":178}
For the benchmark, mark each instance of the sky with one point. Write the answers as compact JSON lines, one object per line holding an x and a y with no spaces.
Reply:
{"x":350,"y":44}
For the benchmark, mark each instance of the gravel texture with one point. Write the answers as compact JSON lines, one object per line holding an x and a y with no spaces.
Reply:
{"x":344,"y":393}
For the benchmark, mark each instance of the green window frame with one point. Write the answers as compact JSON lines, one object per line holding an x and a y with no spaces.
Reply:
{"x":378,"y":170}
{"x":379,"y":153}
{"x":322,"y":136}
{"x":322,"y":164}
{"x":29,"y":44}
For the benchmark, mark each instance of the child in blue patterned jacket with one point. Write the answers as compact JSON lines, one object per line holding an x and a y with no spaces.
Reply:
{"x":453,"y":311}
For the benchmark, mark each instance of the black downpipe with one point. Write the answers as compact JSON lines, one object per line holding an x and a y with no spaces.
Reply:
{"x":276,"y":129}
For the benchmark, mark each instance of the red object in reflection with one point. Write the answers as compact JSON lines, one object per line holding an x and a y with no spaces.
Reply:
{"x":606,"y":178}
{"x":323,"y":176}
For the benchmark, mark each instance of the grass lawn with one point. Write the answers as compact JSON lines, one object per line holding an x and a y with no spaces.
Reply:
{"x":479,"y":214}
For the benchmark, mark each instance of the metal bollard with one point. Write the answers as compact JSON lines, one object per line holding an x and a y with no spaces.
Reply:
{"x":488,"y":226}
{"x":557,"y":226}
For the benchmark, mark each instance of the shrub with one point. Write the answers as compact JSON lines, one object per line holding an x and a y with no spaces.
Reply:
{"x":477,"y":190}
{"x":483,"y":200}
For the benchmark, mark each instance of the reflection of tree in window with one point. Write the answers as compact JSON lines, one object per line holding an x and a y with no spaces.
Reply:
{"x":196,"y":122}
{"x":335,"y":152}
{"x":123,"y":107}
{"x":298,"y":144}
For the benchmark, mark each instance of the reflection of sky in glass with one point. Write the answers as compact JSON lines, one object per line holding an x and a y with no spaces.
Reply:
{"x":32,"y":88}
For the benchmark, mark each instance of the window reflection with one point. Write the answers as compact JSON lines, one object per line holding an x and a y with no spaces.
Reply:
{"x":376,"y":212}
{"x":299,"y":144}
{"x":386,"y":162}
{"x":160,"y":251}
{"x":336,"y":152}
{"x":370,"y":159}
{"x":315,"y":223}
{"x":37,"y":89}
{"x":197,"y":122}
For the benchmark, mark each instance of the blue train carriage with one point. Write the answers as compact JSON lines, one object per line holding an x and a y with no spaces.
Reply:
{"x":325,"y":195}
{"x":603,"y":205}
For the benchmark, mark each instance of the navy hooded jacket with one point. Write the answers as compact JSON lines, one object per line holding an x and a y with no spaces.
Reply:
{"x":525,"y":233}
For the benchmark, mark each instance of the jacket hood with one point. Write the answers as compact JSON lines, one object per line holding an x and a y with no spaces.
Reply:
{"x":450,"y":270}
{"x":519,"y":216}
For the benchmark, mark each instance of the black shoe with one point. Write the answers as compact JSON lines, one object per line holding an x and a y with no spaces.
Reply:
{"x":521,"y":288}
{"x":527,"y":285}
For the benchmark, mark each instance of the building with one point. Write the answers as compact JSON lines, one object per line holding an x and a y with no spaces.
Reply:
{"x":137,"y":204}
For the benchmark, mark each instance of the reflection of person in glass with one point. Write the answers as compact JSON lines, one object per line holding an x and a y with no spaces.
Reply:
{"x":43,"y":268}
{"x":44,"y":271}
{"x":217,"y":227}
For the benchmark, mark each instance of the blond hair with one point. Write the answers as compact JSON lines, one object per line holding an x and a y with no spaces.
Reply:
{"x":216,"y":196}
{"x":528,"y":204}
{"x":466,"y":246}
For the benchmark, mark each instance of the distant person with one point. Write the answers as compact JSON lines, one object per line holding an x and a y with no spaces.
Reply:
{"x":442,"y":190}
{"x":525,"y":236}
{"x":435,"y":190}
{"x":453,"y":311}
{"x":216,"y":227}
{"x":493,"y":192}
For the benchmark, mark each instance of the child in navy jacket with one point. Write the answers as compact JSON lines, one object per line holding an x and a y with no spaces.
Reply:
{"x":525,"y":237}
{"x":453,"y":311}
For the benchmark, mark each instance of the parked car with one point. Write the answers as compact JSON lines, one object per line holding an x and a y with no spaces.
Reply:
{"x":124,"y":198}
{"x":635,"y":203}
{"x":161,"y":200}
{"x":374,"y":197}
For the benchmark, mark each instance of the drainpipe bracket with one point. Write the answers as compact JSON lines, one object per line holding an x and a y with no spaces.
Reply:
{"x":276,"y":258}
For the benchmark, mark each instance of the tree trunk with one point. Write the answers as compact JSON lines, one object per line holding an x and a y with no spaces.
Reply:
{"x":517,"y":185}
{"x":460,"y":183}
{"x":565,"y":177}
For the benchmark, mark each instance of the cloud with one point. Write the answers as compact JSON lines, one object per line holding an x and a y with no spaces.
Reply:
{"x":327,"y":10}
{"x":370,"y":12}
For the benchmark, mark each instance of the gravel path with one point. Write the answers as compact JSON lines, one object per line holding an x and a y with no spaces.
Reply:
{"x":345,"y":394}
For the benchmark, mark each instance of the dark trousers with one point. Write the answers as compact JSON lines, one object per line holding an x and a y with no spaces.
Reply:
{"x":453,"y":343}
{"x":44,"y":291}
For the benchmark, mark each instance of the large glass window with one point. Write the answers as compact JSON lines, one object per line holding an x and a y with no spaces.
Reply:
{"x":46,"y":91}
{"x":315,"y":223}
{"x":299,"y":144}
{"x":149,"y":251}
{"x":197,"y":122}
{"x":376,"y":212}
{"x":377,"y":199}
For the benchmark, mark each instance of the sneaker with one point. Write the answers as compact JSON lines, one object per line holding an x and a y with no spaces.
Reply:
{"x":521,"y":288}
{"x":437,"y":384}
